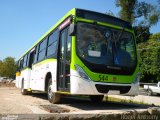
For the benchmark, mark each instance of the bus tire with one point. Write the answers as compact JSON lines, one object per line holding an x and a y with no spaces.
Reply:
{"x":52,"y":97}
{"x":96,"y":98}
{"x":23,"y":91}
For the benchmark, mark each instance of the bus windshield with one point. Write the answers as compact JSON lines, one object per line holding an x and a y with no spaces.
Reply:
{"x":105,"y":46}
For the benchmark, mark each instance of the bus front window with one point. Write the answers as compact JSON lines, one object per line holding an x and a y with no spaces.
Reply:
{"x":105,"y":46}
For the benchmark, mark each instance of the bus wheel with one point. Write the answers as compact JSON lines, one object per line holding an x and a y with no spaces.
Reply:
{"x":52,"y":97}
{"x":23,"y":91}
{"x":96,"y":98}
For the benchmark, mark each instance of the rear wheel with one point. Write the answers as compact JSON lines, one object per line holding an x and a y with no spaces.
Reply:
{"x":96,"y":98}
{"x":23,"y":91}
{"x":52,"y":97}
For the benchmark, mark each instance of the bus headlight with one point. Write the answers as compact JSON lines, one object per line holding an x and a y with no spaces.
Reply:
{"x":82,"y":73}
{"x":137,"y":79}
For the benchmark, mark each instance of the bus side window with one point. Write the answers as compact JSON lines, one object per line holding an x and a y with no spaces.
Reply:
{"x":36,"y":54}
{"x":52,"y":44}
{"x":21,"y":64}
{"x":25,"y":61}
{"x":18,"y":66}
{"x":42,"y":50}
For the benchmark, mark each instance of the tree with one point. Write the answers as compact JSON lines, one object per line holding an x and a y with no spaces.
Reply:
{"x":1,"y":64}
{"x":142,"y":33}
{"x":150,"y":59}
{"x":141,"y":15}
{"x":127,"y":9}
{"x":131,"y":10}
{"x":8,"y":67}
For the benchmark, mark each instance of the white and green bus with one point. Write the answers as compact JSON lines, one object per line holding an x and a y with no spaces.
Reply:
{"x":85,"y":53}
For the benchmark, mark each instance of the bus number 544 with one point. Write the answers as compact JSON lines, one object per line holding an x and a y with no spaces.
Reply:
{"x":103,"y":78}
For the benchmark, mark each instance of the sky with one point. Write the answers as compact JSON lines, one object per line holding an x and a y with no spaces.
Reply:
{"x":23,"y":22}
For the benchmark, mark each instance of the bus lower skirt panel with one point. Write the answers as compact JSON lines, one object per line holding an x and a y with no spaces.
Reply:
{"x":106,"y":88}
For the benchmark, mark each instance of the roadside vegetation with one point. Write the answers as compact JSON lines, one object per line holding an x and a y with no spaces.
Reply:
{"x":150,"y":59}
{"x":8,"y":67}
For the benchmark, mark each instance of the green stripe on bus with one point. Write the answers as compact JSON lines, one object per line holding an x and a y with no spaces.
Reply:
{"x":45,"y":61}
{"x":25,"y":69}
{"x":103,"y":24}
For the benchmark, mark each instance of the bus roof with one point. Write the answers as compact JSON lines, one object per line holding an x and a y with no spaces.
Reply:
{"x":101,"y":17}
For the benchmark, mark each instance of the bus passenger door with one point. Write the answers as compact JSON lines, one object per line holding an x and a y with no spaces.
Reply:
{"x":64,"y":57}
{"x":30,"y":62}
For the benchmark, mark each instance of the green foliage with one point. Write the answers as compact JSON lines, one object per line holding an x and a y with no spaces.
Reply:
{"x":150,"y":59}
{"x":132,"y":10}
{"x":141,"y":15}
{"x":1,"y":64}
{"x":142,"y":33}
{"x":8,"y":67}
{"x":155,"y":37}
{"x":127,"y":9}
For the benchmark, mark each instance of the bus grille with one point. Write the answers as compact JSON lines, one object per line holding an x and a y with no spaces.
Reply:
{"x":106,"y":88}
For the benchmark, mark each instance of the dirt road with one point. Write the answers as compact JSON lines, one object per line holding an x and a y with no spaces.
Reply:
{"x":12,"y":102}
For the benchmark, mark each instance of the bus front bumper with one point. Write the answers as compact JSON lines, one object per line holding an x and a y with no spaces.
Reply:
{"x":80,"y":86}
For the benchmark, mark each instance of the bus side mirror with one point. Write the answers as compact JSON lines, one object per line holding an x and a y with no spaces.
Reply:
{"x":72,"y":29}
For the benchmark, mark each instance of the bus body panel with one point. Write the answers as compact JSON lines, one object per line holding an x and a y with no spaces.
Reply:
{"x":25,"y":77}
{"x":39,"y":73}
{"x":34,"y":78}
{"x":79,"y":86}
{"x":38,"y":77}
{"x":125,"y":79}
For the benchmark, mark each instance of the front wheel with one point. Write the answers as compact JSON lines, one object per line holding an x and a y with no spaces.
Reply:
{"x":96,"y":98}
{"x":52,"y":97}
